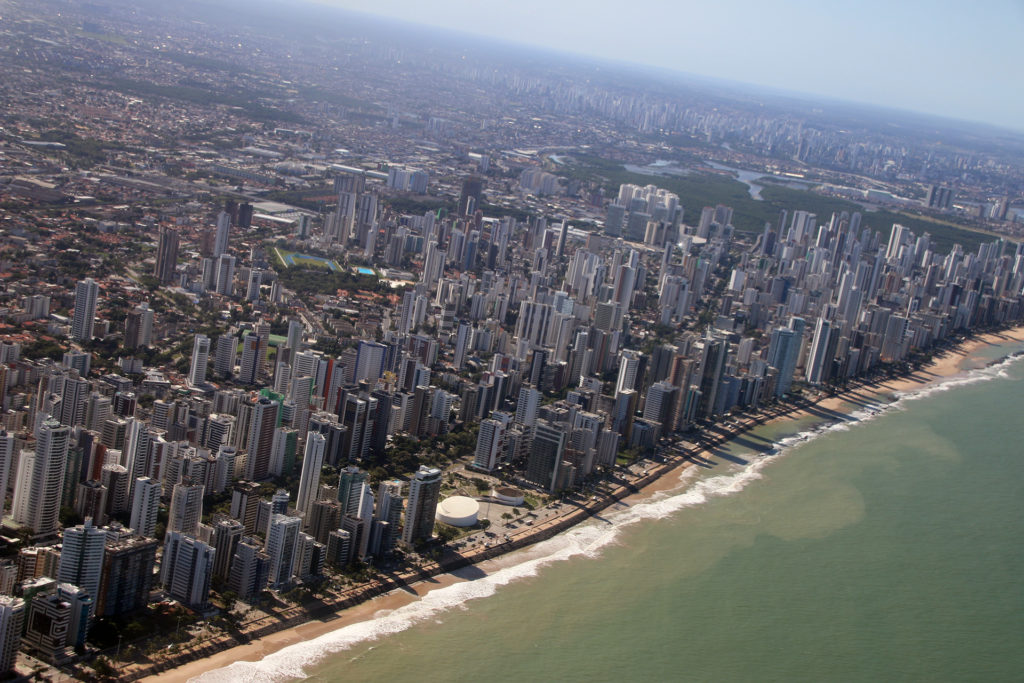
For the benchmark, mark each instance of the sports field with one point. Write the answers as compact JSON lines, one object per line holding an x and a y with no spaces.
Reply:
{"x":292,"y":258}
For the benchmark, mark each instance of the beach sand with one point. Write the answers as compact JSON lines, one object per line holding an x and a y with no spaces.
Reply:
{"x":949,"y":363}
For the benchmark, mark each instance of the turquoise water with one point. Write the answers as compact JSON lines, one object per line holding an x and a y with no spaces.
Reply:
{"x":887,"y":549}
{"x":364,"y":271}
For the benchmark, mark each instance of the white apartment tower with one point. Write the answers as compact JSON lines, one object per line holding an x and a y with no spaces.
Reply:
{"x":86,"y":294}
{"x":200,"y":357}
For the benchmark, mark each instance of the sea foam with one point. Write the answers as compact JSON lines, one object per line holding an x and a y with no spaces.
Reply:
{"x":587,"y":540}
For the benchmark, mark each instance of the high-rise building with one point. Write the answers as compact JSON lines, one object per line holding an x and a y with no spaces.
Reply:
{"x":527,"y":406}
{"x":200,"y":357}
{"x":245,"y":501}
{"x":660,"y":401}
{"x":187,"y":568}
{"x":339,"y":548}
{"x":127,"y":576}
{"x":252,"y":289}
{"x":546,"y":452}
{"x":490,"y":443}
{"x":91,"y":501}
{"x":81,"y":558}
{"x":628,"y":370}
{"x":818,"y":355}
{"x":714,"y":353}
{"x":220,"y":243}
{"x":48,"y":626}
{"x":166,"y":254}
{"x":249,"y":569}
{"x":225,"y":355}
{"x":282,"y":536}
{"x":86,"y":294}
{"x":370,"y":358}
{"x":783,"y":353}
{"x":12,"y":618}
{"x":40,"y":480}
{"x":227,"y":533}
{"x":389,"y":512}
{"x":470,"y":196}
{"x":324,"y":517}
{"x":145,"y":506}
{"x":424,"y":492}
{"x":186,"y":508}
{"x":82,"y":605}
{"x":248,"y":371}
{"x":350,"y":490}
{"x":309,"y":481}
{"x":260,"y":443}
{"x":7,"y":456}
{"x":225,"y":275}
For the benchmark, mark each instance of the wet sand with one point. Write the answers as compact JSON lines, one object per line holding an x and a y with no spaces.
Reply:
{"x":664,"y":477}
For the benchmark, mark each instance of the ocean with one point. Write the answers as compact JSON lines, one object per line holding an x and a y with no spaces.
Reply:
{"x":889,"y":546}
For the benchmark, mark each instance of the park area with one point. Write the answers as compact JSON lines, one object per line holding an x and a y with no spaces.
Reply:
{"x":291,"y":259}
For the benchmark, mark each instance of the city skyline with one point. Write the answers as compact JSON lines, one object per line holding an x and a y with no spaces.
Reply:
{"x":927,"y":58}
{"x":300,"y":308}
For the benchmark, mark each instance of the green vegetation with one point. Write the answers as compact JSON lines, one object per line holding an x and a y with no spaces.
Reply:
{"x":84,"y":151}
{"x":697,"y":190}
{"x":334,"y":97}
{"x":201,"y":95}
{"x":305,"y":280}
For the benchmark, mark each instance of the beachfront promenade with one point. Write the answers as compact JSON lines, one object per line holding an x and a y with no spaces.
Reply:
{"x":699,"y":449}
{"x":552,"y":519}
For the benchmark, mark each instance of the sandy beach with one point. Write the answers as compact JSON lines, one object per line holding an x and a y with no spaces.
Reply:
{"x":653,"y":478}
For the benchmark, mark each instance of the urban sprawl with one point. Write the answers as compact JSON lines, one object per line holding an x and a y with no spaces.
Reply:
{"x":285,"y":324}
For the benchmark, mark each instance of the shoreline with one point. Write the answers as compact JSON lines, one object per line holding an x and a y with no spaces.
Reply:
{"x":366,"y":601}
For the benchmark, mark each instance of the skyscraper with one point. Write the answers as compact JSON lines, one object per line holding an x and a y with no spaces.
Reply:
{"x":138,"y":327}
{"x":187,"y":568}
{"x":81,"y":558}
{"x":546,"y":453}
{"x":200,"y":357}
{"x":527,"y":406}
{"x":220,"y":243}
{"x":261,"y":438}
{"x":186,"y":508}
{"x":225,"y":279}
{"x":249,"y":369}
{"x":282,"y":537}
{"x":309,"y":482}
{"x":166,"y":254}
{"x":145,"y":506}
{"x":783,"y":353}
{"x":370,"y":358}
{"x":12,"y":617}
{"x":7,"y":456}
{"x":86,"y":294}
{"x":817,"y":357}
{"x":127,"y":576}
{"x":490,"y":443}
{"x":424,"y":491}
{"x":249,"y":568}
{"x":37,"y":490}
{"x":226,"y":535}
{"x":350,"y":490}
{"x":225,"y":355}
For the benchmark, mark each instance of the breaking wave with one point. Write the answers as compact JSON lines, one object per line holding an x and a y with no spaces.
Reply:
{"x":586,"y":540}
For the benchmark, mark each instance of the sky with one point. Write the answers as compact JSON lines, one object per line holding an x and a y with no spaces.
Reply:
{"x":950,"y":58}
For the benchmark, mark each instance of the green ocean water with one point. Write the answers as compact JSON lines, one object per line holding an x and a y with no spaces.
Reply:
{"x":886,"y":549}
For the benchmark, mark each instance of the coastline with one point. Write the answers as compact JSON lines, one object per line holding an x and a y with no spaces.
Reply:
{"x":366,"y":602}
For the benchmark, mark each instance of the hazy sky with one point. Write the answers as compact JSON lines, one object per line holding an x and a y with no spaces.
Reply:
{"x":956,"y":58}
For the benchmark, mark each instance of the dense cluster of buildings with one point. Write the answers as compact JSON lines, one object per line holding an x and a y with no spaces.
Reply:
{"x":562,"y":348}
{"x":180,"y":420}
